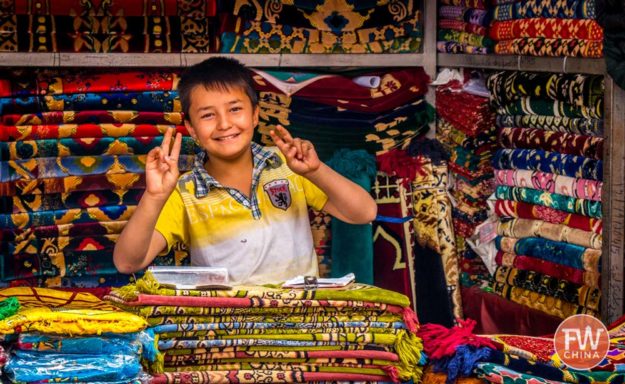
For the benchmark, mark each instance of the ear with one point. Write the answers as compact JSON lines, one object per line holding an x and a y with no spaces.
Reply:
{"x":255,"y":117}
{"x":190,"y":129}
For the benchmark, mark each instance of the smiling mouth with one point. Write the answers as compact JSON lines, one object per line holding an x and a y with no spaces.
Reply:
{"x":227,"y":138}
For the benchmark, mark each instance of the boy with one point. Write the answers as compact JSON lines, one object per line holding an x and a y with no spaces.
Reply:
{"x":242,"y":206}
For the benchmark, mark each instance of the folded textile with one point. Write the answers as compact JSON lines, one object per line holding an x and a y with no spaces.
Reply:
{"x":63,"y":312}
{"x":549,"y":182}
{"x":520,"y":228}
{"x":517,"y":209}
{"x":572,"y":255}
{"x":565,"y":143}
{"x":549,"y":162}
{"x":575,"y":125}
{"x":552,"y":200}
{"x":136,"y":145}
{"x":53,"y":131}
{"x":118,"y":181}
{"x":554,"y":28}
{"x":563,"y":289}
{"x":136,"y":8}
{"x":540,"y":46}
{"x":529,"y":263}
{"x":53,"y":118}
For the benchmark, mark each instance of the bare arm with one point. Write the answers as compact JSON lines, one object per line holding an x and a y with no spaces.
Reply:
{"x":139,"y":243}
{"x":347,"y":200}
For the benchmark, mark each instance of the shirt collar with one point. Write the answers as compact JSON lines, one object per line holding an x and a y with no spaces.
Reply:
{"x":261,"y":158}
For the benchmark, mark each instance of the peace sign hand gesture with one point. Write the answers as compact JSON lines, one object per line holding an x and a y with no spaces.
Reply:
{"x":161,"y":167}
{"x":300,"y":154}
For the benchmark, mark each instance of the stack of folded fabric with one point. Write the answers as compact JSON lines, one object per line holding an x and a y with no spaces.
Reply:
{"x":549,"y":180}
{"x":121,"y":26}
{"x":466,"y":127}
{"x":547,"y":28}
{"x":72,"y":159}
{"x":463,"y":27}
{"x":259,"y":334}
{"x":61,"y":336}
{"x":374,"y":111}
{"x":460,"y":355}
{"x":325,"y":26}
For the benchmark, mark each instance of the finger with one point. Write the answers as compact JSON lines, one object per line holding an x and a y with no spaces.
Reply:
{"x":175,"y":150}
{"x":307,"y":147}
{"x":277,"y":140}
{"x":154,"y":155}
{"x":297,"y":143}
{"x":286,"y":136}
{"x":291,"y":152}
{"x":166,"y":142}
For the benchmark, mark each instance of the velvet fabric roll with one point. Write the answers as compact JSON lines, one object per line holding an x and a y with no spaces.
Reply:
{"x":576,"y":89}
{"x":550,"y":286}
{"x":190,"y":8}
{"x":560,"y":202}
{"x":549,"y":182}
{"x":571,"y":255}
{"x":578,"y":126}
{"x":529,"y":263}
{"x":540,"y":46}
{"x":520,"y":228}
{"x":93,"y":117}
{"x":549,"y":162}
{"x":79,"y":131}
{"x":39,"y":186}
{"x":516,"y":209}
{"x":553,"y":28}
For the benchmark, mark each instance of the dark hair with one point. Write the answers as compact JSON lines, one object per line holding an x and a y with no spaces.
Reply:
{"x":221,"y":73}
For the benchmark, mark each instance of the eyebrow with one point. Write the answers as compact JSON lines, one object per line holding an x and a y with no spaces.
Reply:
{"x":206,"y":107}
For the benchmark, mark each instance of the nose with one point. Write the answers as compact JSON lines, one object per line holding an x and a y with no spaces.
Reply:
{"x":223,"y":123}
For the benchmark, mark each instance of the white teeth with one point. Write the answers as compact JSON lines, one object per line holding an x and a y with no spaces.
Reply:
{"x":228,"y":137}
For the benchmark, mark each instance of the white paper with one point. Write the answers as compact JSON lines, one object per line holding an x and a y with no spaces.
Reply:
{"x":322,"y":282}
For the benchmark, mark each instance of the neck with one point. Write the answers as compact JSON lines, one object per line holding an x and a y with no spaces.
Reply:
{"x":222,"y":169}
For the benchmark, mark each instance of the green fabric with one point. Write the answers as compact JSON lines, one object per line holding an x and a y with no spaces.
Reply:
{"x":352,"y":245}
{"x":9,"y":307}
{"x":354,"y":292}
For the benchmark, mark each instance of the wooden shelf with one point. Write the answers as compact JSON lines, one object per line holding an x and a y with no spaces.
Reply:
{"x":17,"y":59}
{"x":524,"y":63}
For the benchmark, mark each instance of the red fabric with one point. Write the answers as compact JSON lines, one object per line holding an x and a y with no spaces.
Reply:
{"x":496,"y":315}
{"x":552,"y":269}
{"x":397,"y":87}
{"x":39,"y":132}
{"x":440,"y":341}
{"x":586,"y":29}
{"x":91,"y":117}
{"x":398,"y":163}
{"x":507,"y":208}
{"x":69,"y":83}
{"x":191,"y":8}
{"x":466,"y":112}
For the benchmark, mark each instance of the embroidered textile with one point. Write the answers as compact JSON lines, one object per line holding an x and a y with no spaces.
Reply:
{"x":549,"y":162}
{"x":583,"y":29}
{"x":549,"y":182}
{"x":579,"y":126}
{"x":516,"y":209}
{"x":559,"y":271}
{"x":520,"y":228}
{"x":550,"y":286}
{"x":540,"y":46}
{"x":552,"y":200}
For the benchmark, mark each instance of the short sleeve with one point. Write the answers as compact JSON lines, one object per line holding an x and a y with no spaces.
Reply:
{"x":315,"y":197}
{"x":171,"y":222}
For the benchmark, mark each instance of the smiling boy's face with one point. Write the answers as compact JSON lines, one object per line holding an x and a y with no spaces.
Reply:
{"x":222,"y":121}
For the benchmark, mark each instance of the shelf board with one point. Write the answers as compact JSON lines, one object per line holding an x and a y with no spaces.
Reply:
{"x":18,"y":59}
{"x":524,"y":63}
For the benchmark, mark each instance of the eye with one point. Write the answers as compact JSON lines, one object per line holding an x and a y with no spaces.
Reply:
{"x":235,"y":109}
{"x":207,"y":116}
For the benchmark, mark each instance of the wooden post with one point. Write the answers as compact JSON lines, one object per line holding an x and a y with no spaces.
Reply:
{"x":613,"y":197}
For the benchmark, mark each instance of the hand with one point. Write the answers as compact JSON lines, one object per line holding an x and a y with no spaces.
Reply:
{"x":161,"y":167}
{"x":300,"y":154}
